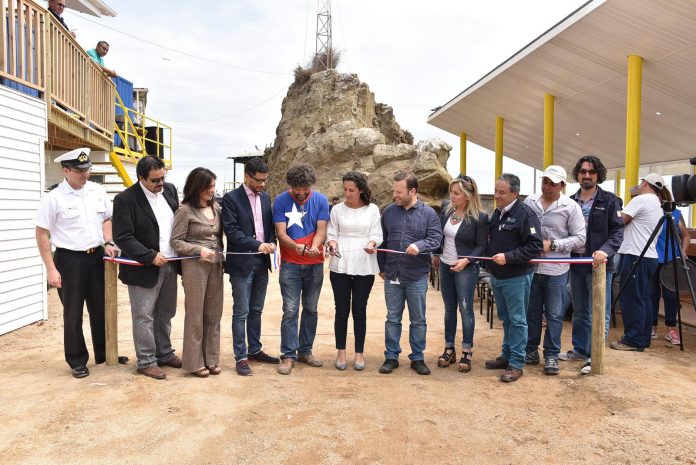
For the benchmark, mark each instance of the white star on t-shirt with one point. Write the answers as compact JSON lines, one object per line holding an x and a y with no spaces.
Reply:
{"x":295,"y":217}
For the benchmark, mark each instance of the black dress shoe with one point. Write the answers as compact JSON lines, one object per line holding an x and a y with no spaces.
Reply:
{"x":80,"y":372}
{"x":498,"y":364}
{"x":263,"y":357}
{"x":420,"y":367}
{"x":122,"y":359}
{"x":388,"y":366}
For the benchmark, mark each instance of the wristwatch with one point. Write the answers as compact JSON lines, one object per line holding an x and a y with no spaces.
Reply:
{"x":553,"y":246}
{"x":111,"y":243}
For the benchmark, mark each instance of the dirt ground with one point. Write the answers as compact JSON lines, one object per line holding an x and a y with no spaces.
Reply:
{"x":642,"y":411}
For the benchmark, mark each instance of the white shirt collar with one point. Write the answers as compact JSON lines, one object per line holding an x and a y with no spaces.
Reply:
{"x":149,"y":194}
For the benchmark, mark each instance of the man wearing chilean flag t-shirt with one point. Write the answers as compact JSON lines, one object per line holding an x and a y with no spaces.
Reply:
{"x":300,"y":215}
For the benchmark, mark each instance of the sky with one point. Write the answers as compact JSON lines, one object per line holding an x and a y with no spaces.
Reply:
{"x":217,"y":71}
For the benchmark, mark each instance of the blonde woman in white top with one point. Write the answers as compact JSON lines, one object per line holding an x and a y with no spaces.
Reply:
{"x":354,"y":226}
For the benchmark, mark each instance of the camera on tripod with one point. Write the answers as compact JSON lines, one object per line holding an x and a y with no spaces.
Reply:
{"x":684,"y":186}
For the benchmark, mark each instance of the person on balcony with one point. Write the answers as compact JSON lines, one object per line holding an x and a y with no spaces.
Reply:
{"x":56,"y":7}
{"x":98,"y":53}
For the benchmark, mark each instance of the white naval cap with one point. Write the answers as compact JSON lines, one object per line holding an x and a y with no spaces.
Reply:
{"x":78,"y":158}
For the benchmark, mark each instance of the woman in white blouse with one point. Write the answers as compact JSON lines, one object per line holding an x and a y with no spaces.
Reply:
{"x":354,"y":226}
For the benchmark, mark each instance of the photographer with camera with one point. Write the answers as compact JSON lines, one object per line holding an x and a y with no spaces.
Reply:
{"x":640,"y":218}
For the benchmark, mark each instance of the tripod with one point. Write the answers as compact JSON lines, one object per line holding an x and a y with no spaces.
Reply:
{"x":671,"y":244}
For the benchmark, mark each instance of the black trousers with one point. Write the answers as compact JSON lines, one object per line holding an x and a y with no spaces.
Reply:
{"x":82,"y":279}
{"x":346,"y":288}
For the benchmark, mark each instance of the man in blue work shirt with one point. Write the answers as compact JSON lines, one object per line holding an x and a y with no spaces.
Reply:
{"x":514,"y":239}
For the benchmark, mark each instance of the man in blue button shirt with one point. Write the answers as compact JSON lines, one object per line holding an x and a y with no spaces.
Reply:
{"x":411,"y":227}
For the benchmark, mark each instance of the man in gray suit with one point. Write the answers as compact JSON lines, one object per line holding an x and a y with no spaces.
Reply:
{"x":143,"y":216}
{"x":248,"y":225}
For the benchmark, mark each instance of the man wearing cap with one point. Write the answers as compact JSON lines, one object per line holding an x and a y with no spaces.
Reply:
{"x":76,"y":218}
{"x":640,"y":218}
{"x":143,"y":217}
{"x":562,"y":230}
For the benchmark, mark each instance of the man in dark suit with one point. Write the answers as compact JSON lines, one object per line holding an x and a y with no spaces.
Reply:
{"x":246,"y":218}
{"x":143,"y":216}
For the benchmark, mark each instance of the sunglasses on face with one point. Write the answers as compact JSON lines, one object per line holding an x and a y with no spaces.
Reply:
{"x":157,"y":180}
{"x":583,"y":171}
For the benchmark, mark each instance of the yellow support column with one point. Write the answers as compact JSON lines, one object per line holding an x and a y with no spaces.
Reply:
{"x":498,"y":146}
{"x":462,"y":153}
{"x":549,"y":101}
{"x":633,"y":107}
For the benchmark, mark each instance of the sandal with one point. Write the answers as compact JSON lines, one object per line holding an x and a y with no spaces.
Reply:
{"x":201,"y":372}
{"x":447,"y":358}
{"x":214,"y":370}
{"x":465,"y":362}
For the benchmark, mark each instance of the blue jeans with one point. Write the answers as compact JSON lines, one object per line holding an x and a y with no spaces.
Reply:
{"x":396,"y":296}
{"x":299,"y":282}
{"x":458,"y":293}
{"x":249,"y":294}
{"x":511,"y":300}
{"x":635,"y":308}
{"x":546,"y":298}
{"x":581,"y":291}
{"x":657,"y":290}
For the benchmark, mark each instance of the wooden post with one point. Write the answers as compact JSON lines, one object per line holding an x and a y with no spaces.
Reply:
{"x":111,"y":313}
{"x":599,"y":293}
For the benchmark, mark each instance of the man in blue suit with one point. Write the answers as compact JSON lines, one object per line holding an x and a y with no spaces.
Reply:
{"x":248,"y":224}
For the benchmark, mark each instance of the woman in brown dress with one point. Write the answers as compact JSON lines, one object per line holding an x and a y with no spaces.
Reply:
{"x":197,"y":231}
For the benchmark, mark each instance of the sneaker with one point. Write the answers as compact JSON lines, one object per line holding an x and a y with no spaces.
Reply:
{"x":673,"y":337}
{"x":551,"y":366}
{"x":388,"y":366}
{"x":653,"y":334}
{"x":570,"y":356}
{"x":532,"y":358}
{"x":309,"y":359}
{"x":618,"y":345}
{"x":243,"y":368}
{"x":286,"y":366}
{"x":510,"y":375}
{"x":263,"y":357}
{"x":586,"y":368}
{"x":420,"y":367}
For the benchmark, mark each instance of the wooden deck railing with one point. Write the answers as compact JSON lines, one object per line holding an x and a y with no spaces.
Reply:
{"x":22,"y":43}
{"x":38,"y":52}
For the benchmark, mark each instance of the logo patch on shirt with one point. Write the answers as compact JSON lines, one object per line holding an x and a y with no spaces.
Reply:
{"x":532,"y":230}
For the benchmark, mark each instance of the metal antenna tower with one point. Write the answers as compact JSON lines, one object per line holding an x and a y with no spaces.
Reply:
{"x":324,"y":43}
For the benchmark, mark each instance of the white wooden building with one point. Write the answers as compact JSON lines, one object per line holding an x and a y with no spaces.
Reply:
{"x":23,"y":133}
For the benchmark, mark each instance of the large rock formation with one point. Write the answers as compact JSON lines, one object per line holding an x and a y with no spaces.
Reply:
{"x":332,"y":122}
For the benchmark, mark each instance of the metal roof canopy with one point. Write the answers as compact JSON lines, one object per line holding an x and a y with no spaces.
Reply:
{"x":582,"y":61}
{"x":91,"y":7}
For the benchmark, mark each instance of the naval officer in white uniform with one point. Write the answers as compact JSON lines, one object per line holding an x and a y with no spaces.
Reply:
{"x":76,"y":218}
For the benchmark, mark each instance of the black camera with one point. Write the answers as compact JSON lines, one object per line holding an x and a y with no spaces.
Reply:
{"x":684,"y":186}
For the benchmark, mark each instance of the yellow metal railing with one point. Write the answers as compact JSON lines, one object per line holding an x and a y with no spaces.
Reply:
{"x":133,"y":136}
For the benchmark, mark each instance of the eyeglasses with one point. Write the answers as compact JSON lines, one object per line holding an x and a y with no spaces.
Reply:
{"x":302,"y":210}
{"x":81,"y":170}
{"x":260,"y":181}
{"x":157,"y":180}
{"x":583,"y":171}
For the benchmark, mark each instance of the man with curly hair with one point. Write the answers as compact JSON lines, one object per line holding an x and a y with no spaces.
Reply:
{"x":300,"y":215}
